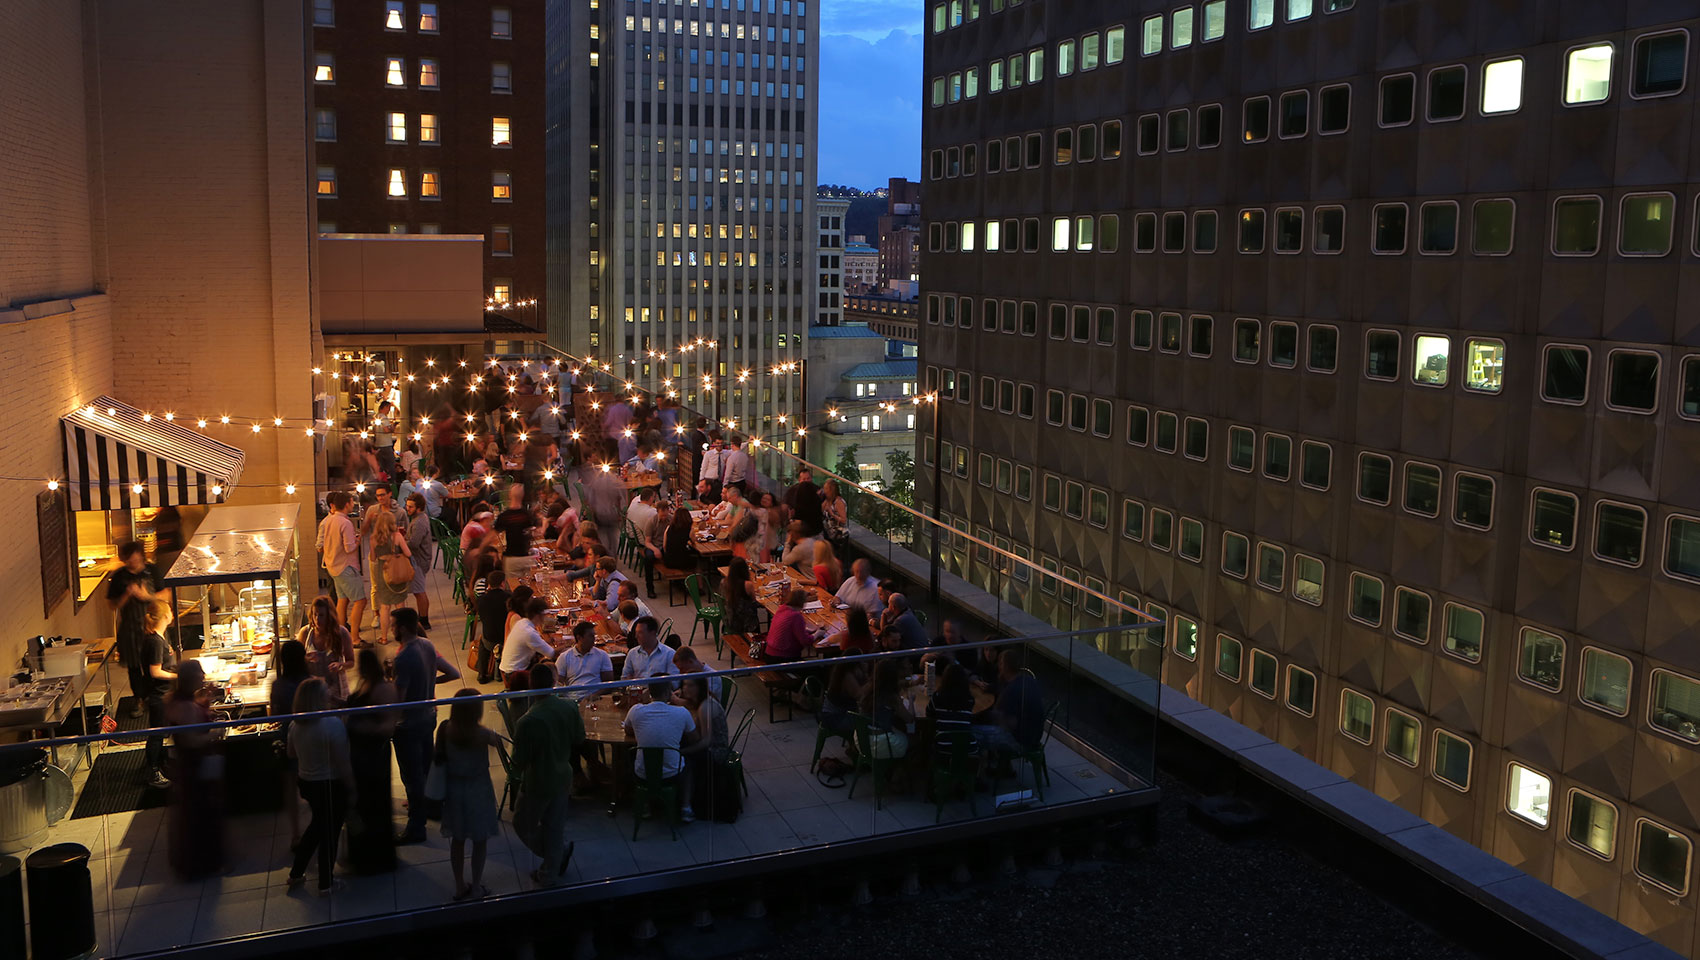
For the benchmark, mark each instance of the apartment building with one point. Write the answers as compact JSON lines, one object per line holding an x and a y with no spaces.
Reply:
{"x":1353,"y":340}
{"x":829,"y":299}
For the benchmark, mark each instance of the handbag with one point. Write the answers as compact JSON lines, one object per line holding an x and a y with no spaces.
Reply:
{"x":398,"y":570}
{"x":472,"y":655}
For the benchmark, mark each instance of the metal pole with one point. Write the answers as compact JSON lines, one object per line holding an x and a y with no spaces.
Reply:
{"x":938,"y":465}
{"x":718,"y":386}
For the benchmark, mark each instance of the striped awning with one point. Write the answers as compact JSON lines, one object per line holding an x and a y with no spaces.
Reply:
{"x":111,"y":447}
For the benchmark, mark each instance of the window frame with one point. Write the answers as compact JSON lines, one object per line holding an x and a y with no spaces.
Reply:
{"x":1582,"y":686}
{"x":1505,"y":804}
{"x":1594,"y":543}
{"x":1428,"y":94}
{"x":1457,"y":476}
{"x":1564,"y":74}
{"x":1446,"y":632}
{"x":1622,"y":209}
{"x":1405,"y":233}
{"x":1511,"y":241}
{"x":1287,"y":699}
{"x":1399,"y":590}
{"x":1305,"y":445}
{"x":1658,"y":365}
{"x":1654,"y":35}
{"x":1523,"y":633}
{"x":1415,"y":763}
{"x":1434,"y":759}
{"x":1653,"y":675}
{"x":1251,"y":674}
{"x":1239,"y":658}
{"x":1380,"y":96}
{"x":1688,"y":872}
{"x":1257,"y":566}
{"x":1405,"y":489}
{"x":1599,"y":225}
{"x":1664,"y":554}
{"x":1321,"y":585}
{"x":1368,"y":739}
{"x":1570,"y":813}
{"x":1380,"y":603}
{"x":1587,"y":379}
{"x":1357,"y":484}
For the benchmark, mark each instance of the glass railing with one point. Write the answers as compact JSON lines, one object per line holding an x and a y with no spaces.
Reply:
{"x":803,"y":758}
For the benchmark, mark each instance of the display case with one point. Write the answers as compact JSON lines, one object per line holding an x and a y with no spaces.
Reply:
{"x":236,"y":587}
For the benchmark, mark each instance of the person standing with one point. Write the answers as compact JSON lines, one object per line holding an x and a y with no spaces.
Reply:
{"x":418,"y":670}
{"x":420,"y":550}
{"x":197,"y":780}
{"x":339,"y":550}
{"x":516,"y":525}
{"x":319,"y":747}
{"x":640,"y":518}
{"x":492,"y":620}
{"x":129,"y":590}
{"x":545,"y":741}
{"x":329,"y":648}
{"x":802,"y":502}
{"x":387,"y":541}
{"x":372,"y":848}
{"x":735,"y":467}
{"x":709,"y":470}
{"x":469,"y":798}
{"x":156,"y":663}
{"x":289,"y":671}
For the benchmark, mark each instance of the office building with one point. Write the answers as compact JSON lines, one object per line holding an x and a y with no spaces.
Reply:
{"x":863,"y":385}
{"x":900,"y":232}
{"x":681,"y":194}
{"x":861,"y":264}
{"x":829,"y":301}
{"x":1353,"y":341}
{"x":428,"y":118}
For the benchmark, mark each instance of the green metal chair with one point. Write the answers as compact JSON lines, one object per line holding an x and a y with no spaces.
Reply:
{"x":728,"y":695}
{"x":954,"y":766}
{"x":822,"y":735}
{"x":1035,"y":758}
{"x":735,"y":752}
{"x":878,"y":767}
{"x":653,"y":788}
{"x":709,"y":615}
{"x":510,"y":786}
{"x":441,"y":530}
{"x":468,"y":630}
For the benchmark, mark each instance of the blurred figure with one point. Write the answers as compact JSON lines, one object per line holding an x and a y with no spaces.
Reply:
{"x":197,"y":779}
{"x":469,"y":798}
{"x":319,"y":746}
{"x":289,"y":671}
{"x":372,"y":848}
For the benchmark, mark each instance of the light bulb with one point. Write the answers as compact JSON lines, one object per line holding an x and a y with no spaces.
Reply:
{"x":360,"y":488}
{"x":277,"y":421}
{"x":135,"y":488}
{"x":289,"y":488}
{"x":310,"y":432}
{"x":223,"y":419}
{"x":52,"y":485}
{"x":218,"y":490}
{"x":256,"y":428}
{"x":147,"y":418}
{"x":169,"y":416}
{"x":201,"y":423}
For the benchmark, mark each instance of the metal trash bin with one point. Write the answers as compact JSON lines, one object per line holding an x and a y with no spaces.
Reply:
{"x":11,"y":907}
{"x":23,"y":798}
{"x":61,"y":902}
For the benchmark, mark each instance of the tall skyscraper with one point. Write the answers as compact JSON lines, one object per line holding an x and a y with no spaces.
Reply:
{"x":428,"y":118}
{"x":1352,"y":340}
{"x":681,"y":193}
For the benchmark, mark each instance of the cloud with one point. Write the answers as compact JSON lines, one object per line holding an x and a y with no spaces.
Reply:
{"x":870,"y":20}
{"x":870,"y":99}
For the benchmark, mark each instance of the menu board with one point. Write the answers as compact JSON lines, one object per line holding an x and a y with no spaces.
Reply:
{"x":55,"y":543}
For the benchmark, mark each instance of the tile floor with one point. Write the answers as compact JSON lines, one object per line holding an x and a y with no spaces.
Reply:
{"x":141,"y":906}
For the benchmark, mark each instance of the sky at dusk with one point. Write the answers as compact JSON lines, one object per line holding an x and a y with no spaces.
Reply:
{"x":870,"y":91}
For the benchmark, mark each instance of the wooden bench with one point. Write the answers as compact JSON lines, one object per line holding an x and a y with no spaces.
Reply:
{"x":779,"y":685}
{"x":675,"y":579}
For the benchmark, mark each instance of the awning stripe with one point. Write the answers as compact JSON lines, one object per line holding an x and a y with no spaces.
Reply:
{"x":111,"y":446}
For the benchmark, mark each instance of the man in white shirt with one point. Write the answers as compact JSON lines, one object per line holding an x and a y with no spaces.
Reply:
{"x":640,"y":516}
{"x":525,"y":641}
{"x":659,"y":723}
{"x":709,"y":469}
{"x":735,"y":466}
{"x":628,"y":591}
{"x":861,"y":589}
{"x":583,"y":662}
{"x":648,"y":657}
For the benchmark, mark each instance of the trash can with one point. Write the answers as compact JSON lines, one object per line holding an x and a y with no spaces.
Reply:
{"x":11,"y":907}
{"x":23,"y":798}
{"x":61,"y":902}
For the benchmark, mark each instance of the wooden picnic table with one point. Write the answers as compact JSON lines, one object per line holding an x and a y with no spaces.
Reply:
{"x":638,"y":481}
{"x":712,"y":548}
{"x":604,"y":722}
{"x":768,"y":580}
{"x":983,"y":699}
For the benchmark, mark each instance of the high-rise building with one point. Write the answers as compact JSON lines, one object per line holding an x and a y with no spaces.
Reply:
{"x":428,"y":118}
{"x":682,"y":191}
{"x":829,"y":298}
{"x":1351,"y":339}
{"x":900,"y":232}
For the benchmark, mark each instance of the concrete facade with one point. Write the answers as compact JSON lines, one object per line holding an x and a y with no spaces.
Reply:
{"x":829,"y":255}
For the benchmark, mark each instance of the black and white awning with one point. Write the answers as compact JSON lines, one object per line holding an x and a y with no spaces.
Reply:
{"x":117,"y":457}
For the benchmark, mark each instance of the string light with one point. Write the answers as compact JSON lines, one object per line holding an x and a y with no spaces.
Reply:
{"x":136,"y":488}
{"x":277,"y":421}
{"x":147,"y":418}
{"x":311,"y":432}
{"x":360,"y":488}
{"x":256,"y":428}
{"x":224,"y":420}
{"x":201,"y":423}
{"x":218,"y":489}
{"x":289,"y":488}
{"x":52,"y":485}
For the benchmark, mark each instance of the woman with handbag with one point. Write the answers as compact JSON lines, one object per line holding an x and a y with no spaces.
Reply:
{"x":320,"y":748}
{"x":392,"y":569}
{"x":461,"y":770}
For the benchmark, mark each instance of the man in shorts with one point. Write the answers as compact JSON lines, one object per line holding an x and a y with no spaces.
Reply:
{"x":339,"y":547}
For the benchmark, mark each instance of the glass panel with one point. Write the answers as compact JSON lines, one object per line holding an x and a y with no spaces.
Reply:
{"x":1593,"y":824}
{"x":1429,"y":359}
{"x":1494,"y":223}
{"x":1662,"y":855}
{"x":1576,"y":226}
{"x":1271,"y":567}
{"x":1676,"y":705}
{"x":1682,"y":548}
{"x":1634,"y":380}
{"x":1263,"y":673}
{"x":1605,"y":681}
{"x":1307,"y":579}
{"x":1502,"y":86}
{"x":1422,"y":489}
{"x":1357,"y":716}
{"x":1446,"y":93}
{"x":1452,"y":759}
{"x":1587,"y":76}
{"x":1472,"y":501}
{"x":1366,"y":599}
{"x":1661,"y":63}
{"x":1381,"y":360}
{"x":1619,"y":532}
{"x":1411,"y":614}
{"x":1648,"y":220}
{"x":1228,"y":653}
{"x":1283,"y":344}
{"x":1301,"y":690}
{"x":1541,"y":661}
{"x":1484,"y":365}
{"x":1398,"y":100}
{"x":1236,"y":555}
{"x":1403,"y":737}
{"x":1529,"y":795}
{"x":1463,"y":632}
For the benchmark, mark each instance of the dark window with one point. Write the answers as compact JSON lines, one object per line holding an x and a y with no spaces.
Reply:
{"x":1552,"y":521}
{"x":1035,"y":149}
{"x":1283,"y":344}
{"x":1438,"y":232}
{"x":1494,"y":222}
{"x":1062,"y":145}
{"x":1248,"y":341}
{"x":1690,"y":398}
{"x":1660,"y":64}
{"x":1328,"y":230}
{"x":1203,"y":335}
{"x":1138,"y":426}
{"x":1148,"y":130}
{"x":1029,"y":318}
{"x":1316,"y":463}
{"x":1446,"y":93}
{"x":1251,"y":231}
{"x":1142,"y":327}
{"x":1256,"y":117}
{"x":1634,"y":383}
{"x":1381,"y":358}
{"x":1422,"y":489}
{"x":1334,"y":112}
{"x":1566,"y":379}
{"x":1472,"y":502}
{"x":1324,"y":348}
{"x":1086,"y":149}
{"x":1375,"y":479}
{"x":1576,"y":226}
{"x":1168,"y":431}
{"x":1620,"y":533}
{"x":1295,"y":114}
{"x":1174,"y":232}
{"x":994,"y":156}
{"x":1112,"y":139}
{"x":1390,"y":228}
{"x":1204,"y":231}
{"x":1277,"y":457}
{"x":1398,"y":100}
{"x":1197,"y":438}
{"x":1242,"y":448}
{"x":1170,"y":331}
{"x":1144,"y":232}
{"x":1180,"y":129}
{"x":1210,"y":125}
{"x":1289,"y":229}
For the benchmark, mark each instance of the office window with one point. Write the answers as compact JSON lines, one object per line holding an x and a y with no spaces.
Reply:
{"x":430,"y":185}
{"x":1059,"y":234}
{"x":1242,"y":448}
{"x":1115,"y":44}
{"x":1529,"y":795}
{"x":1429,"y":359}
{"x":1054,"y":404}
{"x":1101,"y":417}
{"x":1446,"y":93}
{"x":1660,"y":66}
{"x":1151,"y":36}
{"x":1144,"y":233}
{"x":1236,"y":555}
{"x":1388,"y":232}
{"x":1619,"y":533}
{"x":1316,"y":463}
{"x":326,"y":182}
{"x":1587,"y":74}
{"x":427,"y":18}
{"x":1592,"y":824}
{"x":1247,"y":341}
{"x":1112,"y":145}
{"x":1402,"y":737}
{"x":1148,"y":128}
{"x":1255,"y":120}
{"x":1052,"y":495}
{"x":395,"y":15}
{"x":1228,"y":657}
{"x":324,"y":68}
{"x":1662,"y":856}
{"x":1472,"y":500}
{"x":324,"y":13}
{"x":1209,"y":126}
{"x":1375,"y":479}
{"x":1576,"y":226}
{"x":1366,"y":594}
{"x":1204,"y":231}
{"x":1298,"y":9}
{"x":1566,"y":379}
{"x":1540,"y":661}
{"x":1162,"y":530}
{"x":1646,"y":222}
{"x":1191,"y":546}
{"x":1463,"y":636}
{"x":1484,"y":365}
{"x":1307,"y":579}
{"x":395,"y":128}
{"x":429,"y":74}
{"x":395,"y":72}
{"x":1553,"y":519}
{"x":501,"y":240}
{"x":1411,"y":614}
{"x":1334,"y":109}
{"x":1251,"y":231}
{"x":1502,"y":86}
{"x":1179,"y":125}
{"x":1357,"y":716}
{"x":1381,"y":355}
{"x":1259,"y":14}
{"x":1138,"y":425}
{"x":1141,"y":337}
{"x":1168,"y":432}
{"x":501,"y":78}
{"x":1604,"y":681}
{"x":1289,"y":229}
{"x":1451,"y":760}
{"x":1295,"y":114}
{"x":1264,"y":674}
{"x":1186,"y":638}
{"x":1438,"y":228}
{"x":1494,"y":223}
{"x":1422,"y":489}
{"x":1675,"y":706}
{"x":501,"y":133}
{"x":1170,"y":324}
{"x":1633,"y":381}
{"x":1133,"y":520}
{"x":1215,"y":20}
{"x":1197,"y":437}
{"x":1271,"y":567}
{"x":1682,"y":547}
{"x":398,"y":182}
{"x":1324,"y":352}
{"x":324,"y":124}
{"x":1301,"y":690}
{"x":501,"y":186}
{"x":1203,"y":335}
{"x":1180,"y":28}
{"x":1277,"y":457}
{"x":1398,"y":100}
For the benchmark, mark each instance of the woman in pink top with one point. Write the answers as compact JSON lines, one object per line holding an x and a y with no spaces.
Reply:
{"x":476,"y":530}
{"x":788,"y":635}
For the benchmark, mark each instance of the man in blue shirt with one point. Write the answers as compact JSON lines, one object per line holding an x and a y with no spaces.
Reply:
{"x":418,"y":670}
{"x":1017,"y":723}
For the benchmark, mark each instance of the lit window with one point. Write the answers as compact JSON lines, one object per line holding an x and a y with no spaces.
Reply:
{"x":428,"y":74}
{"x":501,"y":240}
{"x":429,"y":185}
{"x":501,"y":23}
{"x":1429,"y":359}
{"x":1593,"y":824}
{"x":324,"y":68}
{"x":1502,"y":86}
{"x":395,"y":72}
{"x":398,"y":182}
{"x":427,"y":128}
{"x":1357,"y":716}
{"x":1151,"y":36}
{"x":1215,"y":19}
{"x":1260,"y":14}
{"x":1540,"y":661}
{"x":501,"y":78}
{"x":1298,"y":9}
{"x":1228,"y":657}
{"x":1115,"y":44}
{"x":1059,"y":234}
{"x":1402,"y":737}
{"x":500,"y":134}
{"x":326,"y":182}
{"x":1180,"y":28}
{"x":1587,"y":74}
{"x":427,"y":18}
{"x":1529,"y":795}
{"x":1484,"y":365}
{"x":396,"y":128}
{"x":1307,"y":579}
{"x":395,"y":15}
{"x":501,"y":186}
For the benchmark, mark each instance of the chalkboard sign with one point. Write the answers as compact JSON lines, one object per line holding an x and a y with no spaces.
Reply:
{"x":51,"y":518}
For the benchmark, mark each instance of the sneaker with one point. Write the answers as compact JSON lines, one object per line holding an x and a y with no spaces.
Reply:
{"x":159,"y":781}
{"x":686,"y":816}
{"x":424,"y":623}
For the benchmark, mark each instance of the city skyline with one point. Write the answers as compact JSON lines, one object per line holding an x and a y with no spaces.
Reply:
{"x":870,"y":78}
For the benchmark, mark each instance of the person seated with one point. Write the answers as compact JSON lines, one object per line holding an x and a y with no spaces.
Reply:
{"x":903,"y":630}
{"x":607,"y":585}
{"x":658,"y":722}
{"x":711,"y":745}
{"x":725,"y":514}
{"x":857,"y":636}
{"x":952,"y":634}
{"x":584,"y":662}
{"x":687,"y":661}
{"x":826,"y":567}
{"x":738,"y":590}
{"x":861,"y":589}
{"x":628,"y":592}
{"x":1017,"y":723}
{"x":648,"y":656}
{"x":799,"y":547}
{"x":645,"y":462}
{"x":524,"y":644}
{"x":676,"y":542}
{"x":788,"y":635}
{"x":845,"y":688}
{"x":888,"y":712}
